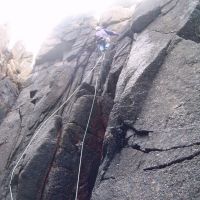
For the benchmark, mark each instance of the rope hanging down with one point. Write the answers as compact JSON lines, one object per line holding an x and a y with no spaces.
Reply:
{"x":83,"y":141}
{"x":17,"y":163}
{"x":84,"y":136}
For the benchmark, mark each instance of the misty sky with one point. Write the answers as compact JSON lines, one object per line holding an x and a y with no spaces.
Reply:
{"x":32,"y":20}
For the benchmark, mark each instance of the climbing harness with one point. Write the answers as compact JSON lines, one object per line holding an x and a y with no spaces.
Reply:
{"x":54,"y":113}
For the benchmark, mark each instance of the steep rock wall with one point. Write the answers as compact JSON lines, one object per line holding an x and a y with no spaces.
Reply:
{"x":62,"y":65}
{"x":146,"y":106}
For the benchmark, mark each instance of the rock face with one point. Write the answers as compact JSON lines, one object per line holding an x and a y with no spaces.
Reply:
{"x":157,"y":156}
{"x":15,"y":66}
{"x":142,"y":141}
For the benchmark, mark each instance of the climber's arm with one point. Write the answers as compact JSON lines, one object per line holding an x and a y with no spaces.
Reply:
{"x":110,"y":32}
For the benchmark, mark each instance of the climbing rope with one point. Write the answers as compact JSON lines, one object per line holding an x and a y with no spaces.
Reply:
{"x":83,"y":141}
{"x":84,"y":136}
{"x":22,"y":155}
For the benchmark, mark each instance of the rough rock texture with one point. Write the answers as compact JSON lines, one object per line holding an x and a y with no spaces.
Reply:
{"x":15,"y":66}
{"x":62,"y":65}
{"x":144,"y":127}
{"x":152,"y":139}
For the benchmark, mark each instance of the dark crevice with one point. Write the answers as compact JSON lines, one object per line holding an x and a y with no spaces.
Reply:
{"x":142,"y":133}
{"x":20,"y":115}
{"x":148,"y":150}
{"x":128,"y":124}
{"x":177,"y":161}
{"x":33,"y":93}
{"x":108,"y":178}
{"x":34,"y":101}
{"x":118,"y":141}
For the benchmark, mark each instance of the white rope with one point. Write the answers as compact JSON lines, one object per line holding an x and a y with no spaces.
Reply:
{"x":84,"y":136}
{"x":83,"y":141}
{"x":16,"y":165}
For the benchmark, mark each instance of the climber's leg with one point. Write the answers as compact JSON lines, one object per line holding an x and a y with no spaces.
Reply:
{"x":107,"y":45}
{"x":101,"y":47}
{"x":107,"y":42}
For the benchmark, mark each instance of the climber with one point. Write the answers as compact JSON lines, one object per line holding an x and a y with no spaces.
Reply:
{"x":102,"y":37}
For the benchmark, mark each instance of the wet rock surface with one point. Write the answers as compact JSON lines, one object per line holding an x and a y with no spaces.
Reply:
{"x":143,"y":139}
